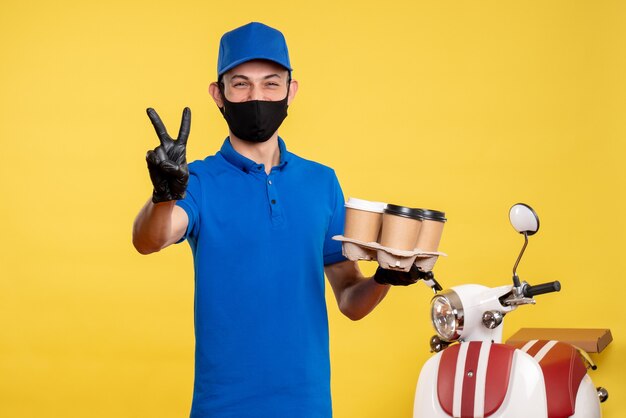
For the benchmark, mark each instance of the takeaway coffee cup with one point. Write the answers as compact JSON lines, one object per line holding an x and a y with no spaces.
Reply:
{"x":401,"y":227}
{"x":363,"y":219}
{"x":432,"y":228}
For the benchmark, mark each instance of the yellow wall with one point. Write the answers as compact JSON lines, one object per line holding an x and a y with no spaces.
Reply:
{"x":462,"y":106}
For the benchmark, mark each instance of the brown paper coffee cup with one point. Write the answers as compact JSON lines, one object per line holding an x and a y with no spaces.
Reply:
{"x":363,"y":219}
{"x":431,"y":231}
{"x":401,"y":227}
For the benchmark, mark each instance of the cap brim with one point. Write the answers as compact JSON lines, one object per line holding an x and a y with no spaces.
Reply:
{"x":246,"y":59}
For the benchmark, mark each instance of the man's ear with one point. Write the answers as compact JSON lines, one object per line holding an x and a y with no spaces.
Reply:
{"x":216,"y":94}
{"x":293,"y":89}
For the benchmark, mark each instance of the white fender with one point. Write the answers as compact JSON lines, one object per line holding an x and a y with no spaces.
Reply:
{"x":526,"y":396}
{"x":426,"y":402}
{"x":587,"y":401}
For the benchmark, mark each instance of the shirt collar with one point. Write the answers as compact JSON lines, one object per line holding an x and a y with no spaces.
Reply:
{"x":243,"y":163}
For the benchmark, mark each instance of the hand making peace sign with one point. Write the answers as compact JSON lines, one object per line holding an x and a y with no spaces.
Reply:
{"x":167,"y":163}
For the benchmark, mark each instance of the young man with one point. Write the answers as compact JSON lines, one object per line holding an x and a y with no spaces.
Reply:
{"x":259,"y":221}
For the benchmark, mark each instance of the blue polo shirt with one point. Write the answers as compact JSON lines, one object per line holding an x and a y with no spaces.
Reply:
{"x":260,"y":243}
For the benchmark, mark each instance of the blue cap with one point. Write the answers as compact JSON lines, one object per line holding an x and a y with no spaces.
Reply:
{"x":249,"y":42}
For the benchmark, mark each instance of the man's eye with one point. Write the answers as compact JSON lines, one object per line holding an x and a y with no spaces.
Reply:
{"x":239,"y":84}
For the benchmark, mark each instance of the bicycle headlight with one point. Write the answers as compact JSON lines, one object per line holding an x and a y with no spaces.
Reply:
{"x":446,"y":313}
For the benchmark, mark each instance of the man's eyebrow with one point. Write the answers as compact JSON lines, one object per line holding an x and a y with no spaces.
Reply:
{"x":248,"y":78}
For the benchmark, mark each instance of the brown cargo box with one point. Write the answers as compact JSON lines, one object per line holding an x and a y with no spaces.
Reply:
{"x":592,"y":340}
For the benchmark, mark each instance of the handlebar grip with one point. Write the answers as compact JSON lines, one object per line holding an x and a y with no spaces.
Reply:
{"x":540,"y":289}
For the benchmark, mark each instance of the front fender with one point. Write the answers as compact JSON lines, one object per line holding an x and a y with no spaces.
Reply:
{"x":445,"y":389}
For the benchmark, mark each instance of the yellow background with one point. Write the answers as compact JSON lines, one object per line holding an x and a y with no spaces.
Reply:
{"x":462,"y":106}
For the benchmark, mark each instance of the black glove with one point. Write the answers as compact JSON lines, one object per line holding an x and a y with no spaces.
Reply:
{"x":167,"y":163}
{"x":402,"y":278}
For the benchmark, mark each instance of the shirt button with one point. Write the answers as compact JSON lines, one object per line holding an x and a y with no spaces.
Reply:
{"x":269,"y":182}
{"x":273,"y":201}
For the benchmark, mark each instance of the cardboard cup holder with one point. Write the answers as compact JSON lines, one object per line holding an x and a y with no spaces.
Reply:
{"x":353,"y":251}
{"x":389,"y":234}
{"x":388,"y":258}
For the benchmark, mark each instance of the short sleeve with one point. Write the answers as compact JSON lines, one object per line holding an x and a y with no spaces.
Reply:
{"x":332,"y":248}
{"x":191,"y":204}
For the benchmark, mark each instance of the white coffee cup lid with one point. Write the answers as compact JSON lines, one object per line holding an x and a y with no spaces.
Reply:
{"x":367,"y":205}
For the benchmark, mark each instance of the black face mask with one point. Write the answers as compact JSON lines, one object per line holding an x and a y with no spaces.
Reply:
{"x":254,"y":120}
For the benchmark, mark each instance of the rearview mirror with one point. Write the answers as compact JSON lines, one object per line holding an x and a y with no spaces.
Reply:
{"x":524,"y":219}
